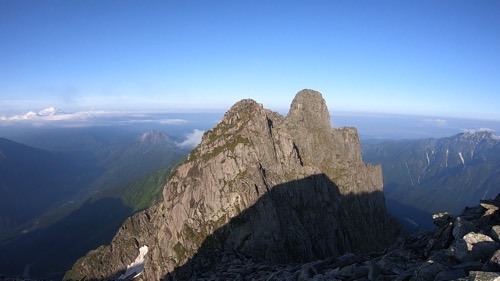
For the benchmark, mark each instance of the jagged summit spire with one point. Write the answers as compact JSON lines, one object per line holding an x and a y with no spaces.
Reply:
{"x":309,"y":107}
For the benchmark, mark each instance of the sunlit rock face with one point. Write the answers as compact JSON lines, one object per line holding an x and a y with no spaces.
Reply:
{"x":279,"y":189}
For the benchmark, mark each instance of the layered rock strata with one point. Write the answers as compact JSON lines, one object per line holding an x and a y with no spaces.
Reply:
{"x":272,"y":188}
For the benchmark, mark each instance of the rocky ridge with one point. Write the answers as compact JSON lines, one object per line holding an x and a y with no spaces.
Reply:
{"x":277,"y":189}
{"x":466,"y":247}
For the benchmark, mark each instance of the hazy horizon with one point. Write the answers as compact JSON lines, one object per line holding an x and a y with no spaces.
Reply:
{"x":185,"y":124}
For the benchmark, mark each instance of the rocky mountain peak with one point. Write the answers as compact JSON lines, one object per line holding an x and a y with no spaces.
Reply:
{"x":240,"y":111}
{"x":479,"y":135}
{"x":154,"y":137}
{"x":309,"y":107}
{"x":244,"y":105}
{"x":279,"y":189}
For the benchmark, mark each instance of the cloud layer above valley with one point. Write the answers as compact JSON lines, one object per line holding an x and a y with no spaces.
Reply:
{"x":55,"y":117}
{"x":192,"y":139}
{"x":436,"y":122}
{"x":191,"y":125}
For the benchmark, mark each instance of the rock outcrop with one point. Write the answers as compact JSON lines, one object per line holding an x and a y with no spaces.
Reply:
{"x":260,"y":186}
{"x":465,"y":247}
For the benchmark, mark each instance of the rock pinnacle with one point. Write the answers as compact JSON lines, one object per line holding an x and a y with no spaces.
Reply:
{"x":310,"y":108}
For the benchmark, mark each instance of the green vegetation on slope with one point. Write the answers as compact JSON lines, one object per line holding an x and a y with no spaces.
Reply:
{"x":142,"y":193}
{"x":92,"y":224}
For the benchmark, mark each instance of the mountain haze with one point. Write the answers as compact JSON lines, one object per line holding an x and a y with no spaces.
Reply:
{"x":57,"y":205}
{"x":125,"y":161}
{"x":280,"y":189}
{"x":436,"y":175}
{"x":33,"y":180}
{"x":38,"y":181}
{"x":52,"y":250}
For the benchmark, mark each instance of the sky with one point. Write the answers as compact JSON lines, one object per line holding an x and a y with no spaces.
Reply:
{"x":429,"y":58}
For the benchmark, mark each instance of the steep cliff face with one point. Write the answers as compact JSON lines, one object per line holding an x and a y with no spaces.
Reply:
{"x":280,"y":189}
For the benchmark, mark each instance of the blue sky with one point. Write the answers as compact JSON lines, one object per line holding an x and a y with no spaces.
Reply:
{"x":434,"y":58}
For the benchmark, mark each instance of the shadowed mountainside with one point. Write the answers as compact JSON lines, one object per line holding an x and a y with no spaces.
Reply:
{"x":465,"y":247}
{"x":52,"y":250}
{"x":289,"y":225}
{"x":33,"y":180}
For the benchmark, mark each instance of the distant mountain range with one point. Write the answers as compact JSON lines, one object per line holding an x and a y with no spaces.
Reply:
{"x":123,"y":162}
{"x":427,"y":176}
{"x":69,"y":201}
{"x":35,"y":181}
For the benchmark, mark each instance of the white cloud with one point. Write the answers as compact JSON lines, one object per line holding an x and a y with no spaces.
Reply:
{"x":27,"y":116}
{"x":50,"y":111}
{"x":436,"y":122}
{"x":192,"y":139}
{"x":46,"y":113}
{"x":172,"y":121}
{"x":56,"y":117}
{"x":53,"y":114}
{"x":145,"y":119}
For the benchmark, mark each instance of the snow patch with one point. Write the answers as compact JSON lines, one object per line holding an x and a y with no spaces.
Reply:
{"x":461,"y":158}
{"x":137,"y":267}
{"x":480,"y":130}
{"x":409,"y":174}
{"x":490,"y":133}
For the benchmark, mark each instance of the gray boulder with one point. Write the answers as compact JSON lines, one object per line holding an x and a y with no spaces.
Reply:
{"x":473,"y":247}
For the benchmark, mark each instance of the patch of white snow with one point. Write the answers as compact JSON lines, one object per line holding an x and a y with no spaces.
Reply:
{"x":409,"y":174}
{"x":461,"y":158}
{"x":137,"y":267}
